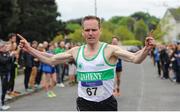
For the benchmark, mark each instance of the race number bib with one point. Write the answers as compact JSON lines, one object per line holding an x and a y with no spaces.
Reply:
{"x":93,"y":88}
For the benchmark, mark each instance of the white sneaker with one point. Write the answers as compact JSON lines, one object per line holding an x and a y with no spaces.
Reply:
{"x":8,"y":97}
{"x":35,"y":86}
{"x":5,"y":107}
{"x":60,"y":85}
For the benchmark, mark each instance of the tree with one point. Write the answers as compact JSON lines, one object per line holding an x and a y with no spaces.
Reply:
{"x":77,"y":21}
{"x":38,"y":19}
{"x":124,"y":33}
{"x":140,"y":15}
{"x":58,"y":38}
{"x":109,"y":26}
{"x":9,"y":17}
{"x":106,"y":35}
{"x":115,"y":19}
{"x":128,"y":22}
{"x":149,"y":20}
{"x":158,"y":33}
{"x":76,"y":36}
{"x":178,"y":37}
{"x":141,"y":30}
{"x":73,"y":26}
{"x":153,"y":22}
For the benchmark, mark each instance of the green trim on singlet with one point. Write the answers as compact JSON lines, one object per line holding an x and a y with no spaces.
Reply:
{"x":106,"y":59}
{"x":90,"y":59}
{"x":78,"y":54}
{"x":94,"y":76}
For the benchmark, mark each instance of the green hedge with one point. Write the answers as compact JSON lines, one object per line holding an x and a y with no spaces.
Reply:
{"x":132,"y":42}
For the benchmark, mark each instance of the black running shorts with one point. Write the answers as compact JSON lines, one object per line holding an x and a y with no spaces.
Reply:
{"x":110,"y":104}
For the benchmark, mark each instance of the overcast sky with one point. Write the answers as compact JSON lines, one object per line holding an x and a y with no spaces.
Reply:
{"x":73,"y":9}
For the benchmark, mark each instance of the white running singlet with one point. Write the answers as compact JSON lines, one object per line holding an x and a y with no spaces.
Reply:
{"x":95,"y":75}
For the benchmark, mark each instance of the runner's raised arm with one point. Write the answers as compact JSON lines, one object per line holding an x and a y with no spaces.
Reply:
{"x":44,"y":57}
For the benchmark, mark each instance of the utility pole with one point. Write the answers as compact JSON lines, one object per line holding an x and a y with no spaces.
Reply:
{"x":95,"y":8}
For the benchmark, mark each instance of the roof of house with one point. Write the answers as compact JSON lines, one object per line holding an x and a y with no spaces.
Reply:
{"x":175,"y":13}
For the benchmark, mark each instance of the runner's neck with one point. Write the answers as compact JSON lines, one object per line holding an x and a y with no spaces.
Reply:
{"x":93,"y":47}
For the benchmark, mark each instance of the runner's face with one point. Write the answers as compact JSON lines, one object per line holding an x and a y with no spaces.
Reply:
{"x":91,"y":31}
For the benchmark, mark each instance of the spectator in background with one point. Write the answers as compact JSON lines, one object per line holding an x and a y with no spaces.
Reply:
{"x":157,"y":58}
{"x":45,"y":45}
{"x":14,"y":70}
{"x":28,"y":63}
{"x":14,"y":64}
{"x":39,"y":70}
{"x":177,"y":61}
{"x":49,"y":75}
{"x":12,"y":37}
{"x":5,"y":69}
{"x":152,"y":57}
{"x":72,"y":72}
{"x":34,"y":67}
{"x":171,"y":50}
{"x":71,"y":68}
{"x":60,"y":67}
{"x":164,"y":60}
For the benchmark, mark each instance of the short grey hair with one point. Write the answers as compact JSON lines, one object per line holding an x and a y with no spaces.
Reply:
{"x":2,"y":43}
{"x":89,"y":18}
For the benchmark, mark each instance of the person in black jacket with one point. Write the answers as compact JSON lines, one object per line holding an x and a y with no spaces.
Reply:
{"x":28,"y":63}
{"x":164,"y":60}
{"x":5,"y":68}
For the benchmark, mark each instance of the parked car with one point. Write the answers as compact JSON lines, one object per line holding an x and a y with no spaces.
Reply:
{"x":133,"y":48}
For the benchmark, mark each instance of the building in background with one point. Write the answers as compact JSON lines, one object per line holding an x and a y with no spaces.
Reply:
{"x":170,"y":24}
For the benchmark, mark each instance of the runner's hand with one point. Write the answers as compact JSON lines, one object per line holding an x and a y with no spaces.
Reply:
{"x":23,"y":43}
{"x":149,"y":41}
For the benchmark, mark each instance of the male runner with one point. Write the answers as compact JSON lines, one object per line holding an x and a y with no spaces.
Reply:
{"x":95,"y":65}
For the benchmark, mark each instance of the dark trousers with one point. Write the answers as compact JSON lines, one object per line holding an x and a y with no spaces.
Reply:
{"x":38,"y":77}
{"x":158,"y":67}
{"x":178,"y":76}
{"x":166,"y":71}
{"x":60,"y":75}
{"x":12,"y":80}
{"x":27,"y":73}
{"x":5,"y":86}
{"x":110,"y":104}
